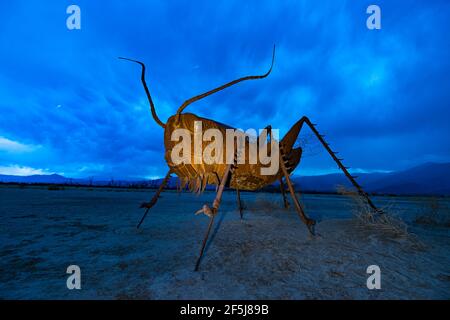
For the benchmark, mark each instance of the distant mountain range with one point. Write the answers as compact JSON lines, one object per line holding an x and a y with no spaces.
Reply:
{"x":426,"y":179}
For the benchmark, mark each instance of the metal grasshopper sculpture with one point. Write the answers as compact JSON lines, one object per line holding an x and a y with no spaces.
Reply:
{"x":235,"y":176}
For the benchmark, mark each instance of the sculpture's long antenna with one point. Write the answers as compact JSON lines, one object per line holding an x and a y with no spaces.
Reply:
{"x":229,"y":84}
{"x":152,"y":106}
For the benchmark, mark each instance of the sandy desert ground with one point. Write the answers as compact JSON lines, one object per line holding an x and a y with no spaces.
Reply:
{"x":267,"y":255}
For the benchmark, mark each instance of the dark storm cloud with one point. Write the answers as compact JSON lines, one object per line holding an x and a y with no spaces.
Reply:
{"x":380,"y":96}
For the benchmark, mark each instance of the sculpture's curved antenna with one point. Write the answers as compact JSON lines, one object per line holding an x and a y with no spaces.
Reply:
{"x":229,"y":84}
{"x":152,"y":106}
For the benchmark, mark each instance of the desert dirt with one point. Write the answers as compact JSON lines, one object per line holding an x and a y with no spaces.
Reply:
{"x":267,"y":255}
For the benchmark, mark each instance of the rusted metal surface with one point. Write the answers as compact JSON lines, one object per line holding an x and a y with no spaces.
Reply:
{"x":239,"y":176}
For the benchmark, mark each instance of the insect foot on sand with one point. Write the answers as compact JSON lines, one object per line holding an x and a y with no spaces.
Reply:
{"x":148,"y":205}
{"x":311,"y":224}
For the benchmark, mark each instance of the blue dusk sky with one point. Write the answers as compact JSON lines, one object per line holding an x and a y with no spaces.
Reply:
{"x":69,"y":106}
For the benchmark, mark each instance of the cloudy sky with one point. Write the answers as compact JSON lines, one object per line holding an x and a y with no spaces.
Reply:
{"x":69,"y":106}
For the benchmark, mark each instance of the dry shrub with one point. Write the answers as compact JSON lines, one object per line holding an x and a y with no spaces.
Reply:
{"x":435,"y":213}
{"x":268,"y":205}
{"x":55,"y":188}
{"x":387,"y":223}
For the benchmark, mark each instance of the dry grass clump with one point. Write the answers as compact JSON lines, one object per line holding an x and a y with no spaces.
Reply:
{"x":268,"y":205}
{"x":366,"y":216}
{"x":435,"y":213}
{"x":388,"y":224}
{"x":53,"y":187}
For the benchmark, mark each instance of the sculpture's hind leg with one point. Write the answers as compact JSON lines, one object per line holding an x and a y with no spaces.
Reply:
{"x":211,"y":212}
{"x":152,"y":202}
{"x":309,"y":222}
{"x":292,"y":135}
{"x":283,"y":192}
{"x":238,"y":195}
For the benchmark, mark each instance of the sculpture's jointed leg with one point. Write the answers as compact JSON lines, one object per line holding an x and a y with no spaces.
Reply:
{"x":292,"y":135}
{"x":152,"y":202}
{"x":309,"y":222}
{"x":211,"y":212}
{"x":238,"y":195}
{"x":283,"y":192}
